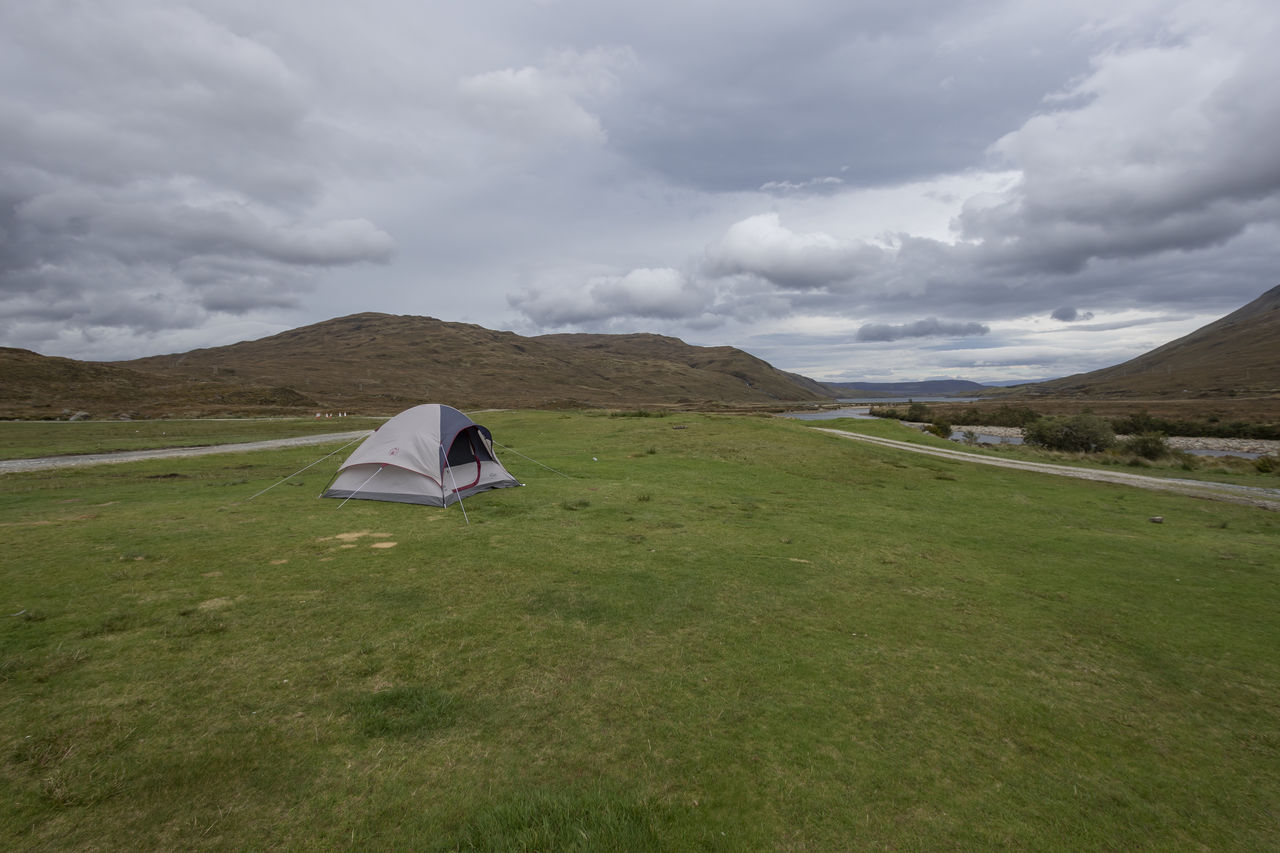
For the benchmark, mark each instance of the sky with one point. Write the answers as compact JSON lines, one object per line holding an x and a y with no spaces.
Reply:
{"x":877,"y":190}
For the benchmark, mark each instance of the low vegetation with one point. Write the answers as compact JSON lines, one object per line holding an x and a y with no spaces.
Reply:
{"x":696,"y":633}
{"x":1150,"y":451}
{"x":1073,"y":434}
{"x":1137,"y":422}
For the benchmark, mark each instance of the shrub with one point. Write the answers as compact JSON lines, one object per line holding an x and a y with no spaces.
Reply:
{"x":919,"y":412}
{"x":1148,"y":445}
{"x":1074,"y":433}
{"x":940,"y":427}
{"x":638,"y":413}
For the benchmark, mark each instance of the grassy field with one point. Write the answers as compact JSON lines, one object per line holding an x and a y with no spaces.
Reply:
{"x":737,"y":635}
{"x":30,"y":439}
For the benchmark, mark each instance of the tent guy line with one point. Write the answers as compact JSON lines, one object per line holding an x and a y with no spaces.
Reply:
{"x":534,"y":461}
{"x":305,"y":467}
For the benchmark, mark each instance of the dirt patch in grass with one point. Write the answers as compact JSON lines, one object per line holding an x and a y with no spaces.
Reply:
{"x":353,"y":536}
{"x":351,"y":539}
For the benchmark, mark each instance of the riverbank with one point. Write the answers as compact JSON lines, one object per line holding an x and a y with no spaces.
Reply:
{"x":1177,"y":442}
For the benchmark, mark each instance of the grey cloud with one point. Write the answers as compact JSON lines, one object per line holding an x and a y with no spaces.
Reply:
{"x":1069,"y":314}
{"x":157,"y":167}
{"x":1122,"y":324}
{"x":672,"y":166}
{"x":828,"y":183}
{"x":893,"y":91}
{"x":929,"y":328}
{"x":1184,"y":170}
{"x":116,"y":95}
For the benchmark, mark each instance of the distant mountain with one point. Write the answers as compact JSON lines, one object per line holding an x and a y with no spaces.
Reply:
{"x":1008,"y":383}
{"x":384,"y":363}
{"x":1236,"y":355}
{"x":928,"y":388}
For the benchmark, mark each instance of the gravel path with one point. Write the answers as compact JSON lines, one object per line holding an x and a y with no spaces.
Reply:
{"x":12,"y":466}
{"x":1251,"y":495}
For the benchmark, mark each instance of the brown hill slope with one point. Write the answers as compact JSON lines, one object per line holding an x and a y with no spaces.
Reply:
{"x":1236,"y":355}
{"x":381,"y":362}
{"x":34,"y":385}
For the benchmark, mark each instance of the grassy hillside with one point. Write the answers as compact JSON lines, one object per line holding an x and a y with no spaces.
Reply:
{"x":34,"y":385}
{"x":381,"y":364}
{"x":739,"y":634}
{"x":394,"y":361}
{"x":1238,"y":355}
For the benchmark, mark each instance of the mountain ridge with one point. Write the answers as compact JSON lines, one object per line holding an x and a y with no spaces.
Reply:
{"x":382,"y":363}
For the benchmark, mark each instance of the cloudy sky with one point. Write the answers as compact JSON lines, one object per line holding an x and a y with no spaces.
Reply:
{"x":851,"y":189}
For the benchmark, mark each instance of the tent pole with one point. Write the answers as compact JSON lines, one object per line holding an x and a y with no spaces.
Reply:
{"x":361,"y":486}
{"x":456,"y":492}
{"x":300,"y":470}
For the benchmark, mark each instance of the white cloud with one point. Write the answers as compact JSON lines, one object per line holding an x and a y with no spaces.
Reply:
{"x":647,"y":293}
{"x":762,"y":246}
{"x":534,"y":103}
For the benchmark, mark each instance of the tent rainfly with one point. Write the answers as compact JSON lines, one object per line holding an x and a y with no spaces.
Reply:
{"x":432,"y":455}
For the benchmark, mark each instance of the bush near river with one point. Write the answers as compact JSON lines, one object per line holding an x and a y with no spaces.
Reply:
{"x":1140,"y":423}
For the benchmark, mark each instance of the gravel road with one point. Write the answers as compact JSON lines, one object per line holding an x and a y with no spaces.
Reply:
{"x":13,"y":466}
{"x":1251,"y":495}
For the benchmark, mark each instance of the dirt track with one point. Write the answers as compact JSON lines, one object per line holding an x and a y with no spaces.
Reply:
{"x":13,"y":466}
{"x":1250,"y":495}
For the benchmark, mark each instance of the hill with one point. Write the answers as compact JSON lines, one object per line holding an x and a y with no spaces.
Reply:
{"x":1234,"y":356}
{"x":382,"y":363}
{"x":34,"y":385}
{"x":931,"y":387}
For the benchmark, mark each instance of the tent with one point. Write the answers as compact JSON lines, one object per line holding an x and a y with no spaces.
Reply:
{"x":433,"y":455}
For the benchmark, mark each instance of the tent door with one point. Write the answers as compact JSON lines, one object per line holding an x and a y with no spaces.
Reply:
{"x":464,"y":453}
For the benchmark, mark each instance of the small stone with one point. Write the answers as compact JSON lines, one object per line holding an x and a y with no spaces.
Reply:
{"x":1156,"y":519}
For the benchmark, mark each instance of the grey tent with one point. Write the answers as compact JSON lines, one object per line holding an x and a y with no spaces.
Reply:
{"x":433,"y":455}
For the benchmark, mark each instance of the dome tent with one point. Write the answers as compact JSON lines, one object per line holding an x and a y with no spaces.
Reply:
{"x":431,"y":454}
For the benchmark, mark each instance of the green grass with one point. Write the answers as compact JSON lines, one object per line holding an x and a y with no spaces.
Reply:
{"x":1179,"y":466}
{"x":30,"y":439}
{"x":738,"y":635}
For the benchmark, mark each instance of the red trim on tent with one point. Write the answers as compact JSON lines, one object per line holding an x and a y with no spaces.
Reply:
{"x":474,"y":458}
